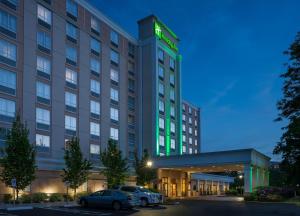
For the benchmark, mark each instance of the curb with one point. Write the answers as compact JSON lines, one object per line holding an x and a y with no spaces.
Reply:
{"x":19,"y":208}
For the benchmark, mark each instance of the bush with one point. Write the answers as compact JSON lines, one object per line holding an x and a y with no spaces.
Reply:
{"x":81,"y":194}
{"x":39,"y":197}
{"x":7,"y":198}
{"x":250,"y":197}
{"x":70,"y":198}
{"x":25,"y":198}
{"x":56,"y":197}
{"x":232,"y":192}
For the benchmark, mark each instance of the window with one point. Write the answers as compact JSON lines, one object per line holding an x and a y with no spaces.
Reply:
{"x":190,"y":130}
{"x":114,"y":114}
{"x":114,"y":37}
{"x":43,"y":41}
{"x":161,"y":106}
{"x":8,"y":24}
{"x":95,"y":27}
{"x":190,"y":110}
{"x":114,"y":94}
{"x":42,"y":118}
{"x":131,"y":85}
{"x":7,"y":110}
{"x":131,"y":68}
{"x":183,"y":127}
{"x":70,"y":123}
{"x":71,"y":8}
{"x":190,"y":140}
{"x":71,"y":55}
{"x":161,"y":122}
{"x":183,"y":107}
{"x":130,"y":49}
{"x":184,"y":149}
{"x":43,"y":67}
{"x":131,"y":121}
{"x":172,"y":63}
{"x":8,"y":53}
{"x":95,"y":66}
{"x":95,"y":150}
{"x":172,"y":110}
{"x":42,"y":142}
{"x":44,"y":16}
{"x":95,"y":46}
{"x":190,"y":151}
{"x":161,"y":140}
{"x":190,"y":120}
{"x":172,"y":94}
{"x":94,"y":129}
{"x":7,"y":82}
{"x":11,"y":3}
{"x":43,"y":92}
{"x":114,"y":133}
{"x":95,"y":108}
{"x":161,"y":88}
{"x":172,"y":127}
{"x":71,"y":101}
{"x":114,"y":75}
{"x":196,"y":132}
{"x":95,"y":88}
{"x":183,"y":117}
{"x":71,"y":31}
{"x":172,"y":143}
{"x":160,"y":55}
{"x":131,"y":103}
{"x":114,"y":57}
{"x":196,"y":142}
{"x":183,"y":138}
{"x":196,"y":151}
{"x":160,"y":71}
{"x":172,"y":78}
{"x":71,"y":77}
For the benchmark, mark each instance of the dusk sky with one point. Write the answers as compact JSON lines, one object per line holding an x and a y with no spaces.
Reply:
{"x":232,"y":57}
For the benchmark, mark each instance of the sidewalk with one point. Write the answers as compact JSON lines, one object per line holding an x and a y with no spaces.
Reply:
{"x":214,"y":198}
{"x":4,"y":206}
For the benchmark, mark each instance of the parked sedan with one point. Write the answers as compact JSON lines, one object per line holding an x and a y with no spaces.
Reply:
{"x":109,"y":199}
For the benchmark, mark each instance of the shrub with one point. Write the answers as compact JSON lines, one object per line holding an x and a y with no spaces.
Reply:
{"x":7,"y":198}
{"x":39,"y":197}
{"x":251,"y":197}
{"x":55,"y":197}
{"x":232,"y":192}
{"x":26,"y":198}
{"x":70,"y":198}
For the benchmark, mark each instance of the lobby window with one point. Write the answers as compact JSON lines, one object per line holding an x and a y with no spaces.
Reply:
{"x":71,"y":32}
{"x":161,"y":55}
{"x":95,"y":109}
{"x":114,"y":94}
{"x":7,"y":110}
{"x":8,"y":53}
{"x":44,"y":16}
{"x":95,"y":88}
{"x":114,"y":114}
{"x":114,"y":57}
{"x":43,"y":92}
{"x":131,"y":49}
{"x":94,"y":130}
{"x":161,"y":88}
{"x":95,"y":26}
{"x":71,"y":78}
{"x":131,"y":103}
{"x":7,"y":82}
{"x":8,"y":24}
{"x":43,"y":67}
{"x":183,"y":138}
{"x":160,"y":71}
{"x":183,"y":128}
{"x":43,"y":41}
{"x":11,"y":3}
{"x":161,"y":122}
{"x":42,"y":142}
{"x":190,"y":140}
{"x":183,"y":117}
{"x":95,"y":46}
{"x":161,"y":140}
{"x":95,"y":151}
{"x":70,"y":125}
{"x":184,"y":149}
{"x":42,"y":119}
{"x":172,"y":94}
{"x":172,"y":111}
{"x":131,"y":85}
{"x":190,"y":130}
{"x":172,"y":127}
{"x":72,"y":9}
{"x":114,"y":133}
{"x":114,"y":76}
{"x":190,"y":120}
{"x":172,"y":78}
{"x":172,"y":143}
{"x":71,"y":101}
{"x":172,"y":64}
{"x":95,"y":66}
{"x":161,"y":106}
{"x":71,"y":55}
{"x":114,"y":38}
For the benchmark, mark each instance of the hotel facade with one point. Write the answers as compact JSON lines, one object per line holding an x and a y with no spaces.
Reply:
{"x":68,"y":70}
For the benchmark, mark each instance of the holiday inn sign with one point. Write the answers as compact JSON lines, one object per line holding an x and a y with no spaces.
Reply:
{"x":161,"y":35}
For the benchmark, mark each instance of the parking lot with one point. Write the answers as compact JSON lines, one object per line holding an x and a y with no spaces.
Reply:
{"x":184,"y":208}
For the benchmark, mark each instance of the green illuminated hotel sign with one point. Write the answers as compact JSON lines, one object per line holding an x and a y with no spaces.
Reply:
{"x":161,"y":35}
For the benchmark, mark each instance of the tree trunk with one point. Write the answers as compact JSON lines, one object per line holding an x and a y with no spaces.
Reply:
{"x":74,"y":194}
{"x":17,"y":193}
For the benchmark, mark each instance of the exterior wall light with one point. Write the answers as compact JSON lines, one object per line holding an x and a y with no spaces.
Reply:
{"x":149,"y":163}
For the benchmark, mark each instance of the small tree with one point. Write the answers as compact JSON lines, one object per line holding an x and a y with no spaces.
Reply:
{"x":145,"y":174}
{"x":115,"y":166}
{"x":76,"y":167}
{"x":18,"y":161}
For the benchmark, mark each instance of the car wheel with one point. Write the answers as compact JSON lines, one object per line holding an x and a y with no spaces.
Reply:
{"x":84,"y":203}
{"x":144,"y":202}
{"x":116,"y":206}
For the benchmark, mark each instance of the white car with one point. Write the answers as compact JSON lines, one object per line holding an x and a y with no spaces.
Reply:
{"x":145,"y":196}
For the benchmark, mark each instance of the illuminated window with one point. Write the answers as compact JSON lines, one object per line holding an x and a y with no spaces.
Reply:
{"x":161,"y":140}
{"x":114,"y":114}
{"x":172,"y":127}
{"x":114,"y":134}
{"x":44,"y":14}
{"x":161,"y":123}
{"x":114,"y":94}
{"x":172,"y":143}
{"x":161,"y":105}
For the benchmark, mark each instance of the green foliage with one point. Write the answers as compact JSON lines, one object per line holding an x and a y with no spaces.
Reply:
{"x":7,"y":198}
{"x":26,"y":198}
{"x":251,"y":197}
{"x":115,"y":166}
{"x":19,"y":157}
{"x":232,"y":192}
{"x":289,"y":110}
{"x":56,"y":197}
{"x":39,"y":197}
{"x":76,"y":167}
{"x":144,"y":173}
{"x":68,"y":197}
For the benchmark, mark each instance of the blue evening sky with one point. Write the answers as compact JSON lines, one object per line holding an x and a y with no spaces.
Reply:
{"x":232,"y":59}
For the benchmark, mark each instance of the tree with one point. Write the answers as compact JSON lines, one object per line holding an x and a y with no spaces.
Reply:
{"x":289,"y":111}
{"x":115,"y":166}
{"x":145,"y":174}
{"x":18,"y":160}
{"x":76,"y":167}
